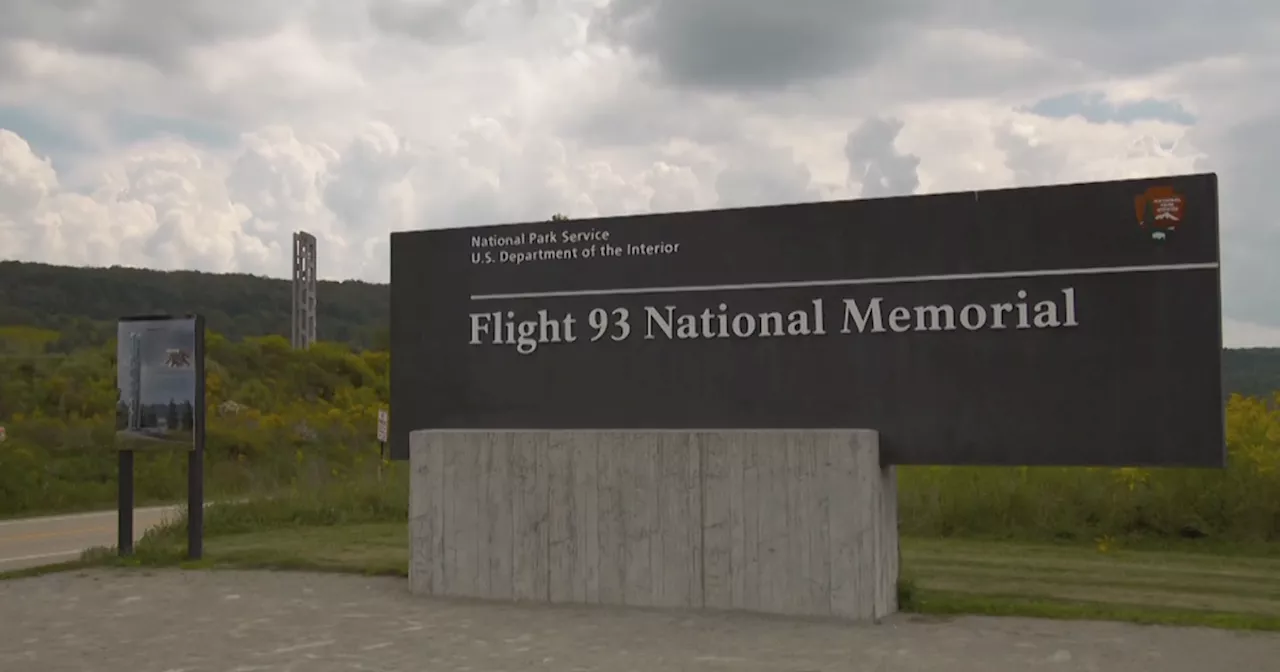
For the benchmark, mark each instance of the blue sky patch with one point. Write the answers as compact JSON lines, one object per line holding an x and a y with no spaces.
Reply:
{"x":48,"y":136}
{"x":56,"y":138}
{"x":130,"y":127}
{"x":1095,"y":108}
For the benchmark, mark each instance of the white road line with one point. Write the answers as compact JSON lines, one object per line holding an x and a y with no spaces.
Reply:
{"x":850,"y":282}
{"x":40,"y":556}
{"x":80,"y":516}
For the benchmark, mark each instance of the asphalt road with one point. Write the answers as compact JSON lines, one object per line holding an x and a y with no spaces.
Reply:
{"x":30,"y":542}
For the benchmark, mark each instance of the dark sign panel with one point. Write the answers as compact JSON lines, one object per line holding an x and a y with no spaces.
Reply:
{"x":159,"y":381}
{"x":1065,"y":325}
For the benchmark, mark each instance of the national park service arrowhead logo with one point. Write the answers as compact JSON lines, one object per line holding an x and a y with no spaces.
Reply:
{"x":1160,"y":211}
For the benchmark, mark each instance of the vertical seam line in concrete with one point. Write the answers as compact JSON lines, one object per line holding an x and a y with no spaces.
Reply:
{"x":440,"y":518}
{"x":828,"y":471}
{"x":827,"y":464}
{"x":545,"y":463}
{"x":515,"y":484}
{"x":445,"y":517}
{"x":702,"y":519}
{"x":599,"y":538}
{"x":657,"y":575}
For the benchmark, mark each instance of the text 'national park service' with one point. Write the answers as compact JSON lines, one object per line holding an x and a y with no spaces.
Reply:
{"x":527,"y":331}
{"x":527,"y":247}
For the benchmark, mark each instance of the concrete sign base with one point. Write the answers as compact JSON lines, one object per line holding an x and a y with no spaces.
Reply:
{"x":784,"y":522}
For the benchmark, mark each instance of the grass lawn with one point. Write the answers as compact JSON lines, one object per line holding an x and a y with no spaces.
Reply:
{"x":1068,"y":581}
{"x":943,"y":576}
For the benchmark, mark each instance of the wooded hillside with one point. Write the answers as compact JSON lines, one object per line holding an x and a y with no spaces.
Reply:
{"x":83,"y":303}
{"x":1253,"y":372}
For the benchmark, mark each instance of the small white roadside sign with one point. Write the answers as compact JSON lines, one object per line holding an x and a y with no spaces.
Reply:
{"x":382,"y":425}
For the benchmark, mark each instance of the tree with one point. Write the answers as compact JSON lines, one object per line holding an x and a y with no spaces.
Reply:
{"x":187,"y":420}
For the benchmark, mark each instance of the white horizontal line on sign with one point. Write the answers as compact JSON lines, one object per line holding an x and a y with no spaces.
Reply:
{"x":848,"y":282}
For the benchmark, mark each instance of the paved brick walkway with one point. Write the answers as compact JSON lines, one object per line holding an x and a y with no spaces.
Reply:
{"x":173,"y":621}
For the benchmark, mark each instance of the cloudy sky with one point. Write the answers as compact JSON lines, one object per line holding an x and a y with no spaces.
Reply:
{"x":201,"y":133}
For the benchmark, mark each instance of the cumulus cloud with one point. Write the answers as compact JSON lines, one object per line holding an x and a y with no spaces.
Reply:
{"x":25,"y":179}
{"x":202,"y":136}
{"x":157,"y":205}
{"x":876,"y":164}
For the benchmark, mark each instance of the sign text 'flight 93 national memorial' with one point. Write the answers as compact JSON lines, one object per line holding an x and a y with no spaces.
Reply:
{"x":1063,"y":325}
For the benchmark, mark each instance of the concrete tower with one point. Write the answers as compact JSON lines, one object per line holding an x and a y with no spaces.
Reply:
{"x":135,"y":381}
{"x":304,"y":290}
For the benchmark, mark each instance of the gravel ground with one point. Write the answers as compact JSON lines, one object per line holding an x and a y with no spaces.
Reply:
{"x":175,"y":621}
